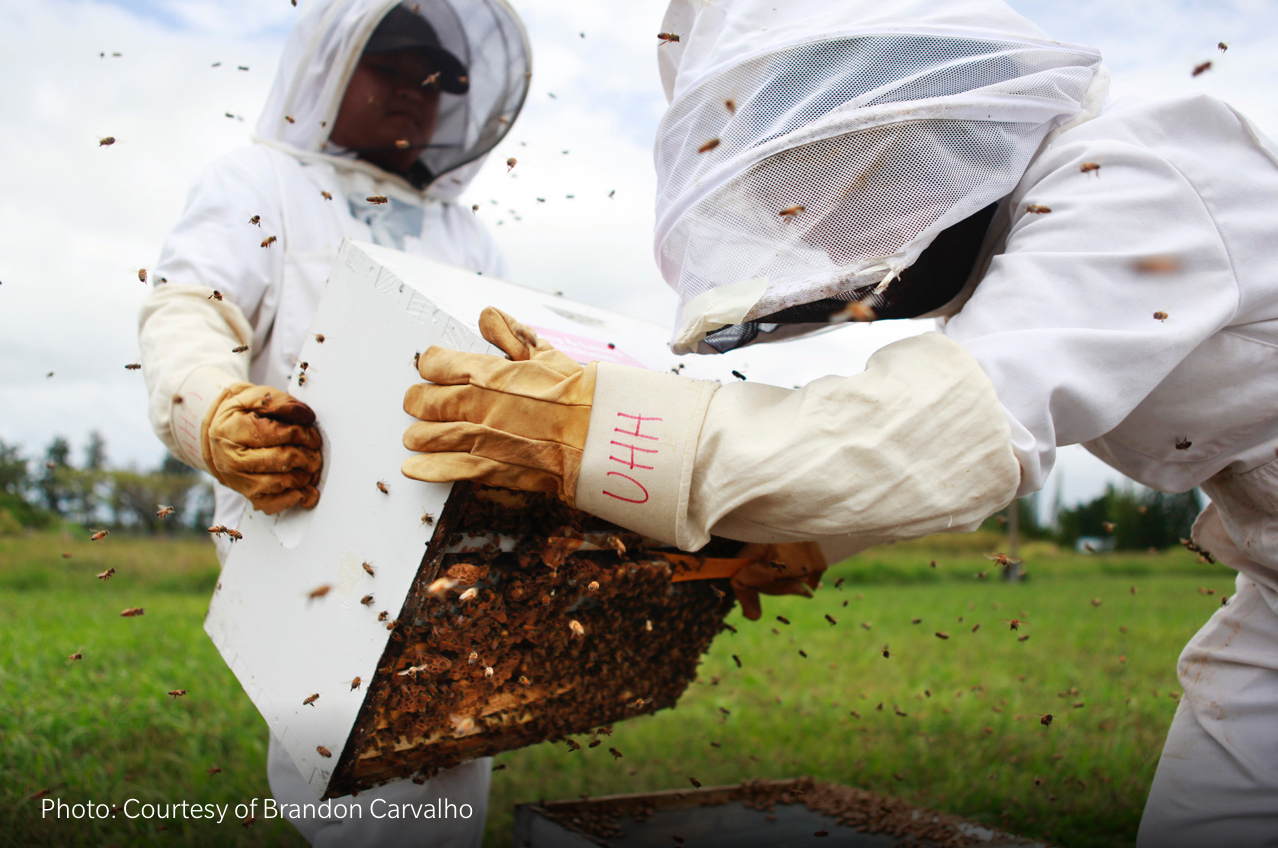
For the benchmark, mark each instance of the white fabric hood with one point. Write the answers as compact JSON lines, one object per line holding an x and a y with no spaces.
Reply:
{"x":325,"y":44}
{"x":813,"y":150}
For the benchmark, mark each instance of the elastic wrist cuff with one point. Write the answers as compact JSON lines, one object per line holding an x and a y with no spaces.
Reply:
{"x":636,"y":467}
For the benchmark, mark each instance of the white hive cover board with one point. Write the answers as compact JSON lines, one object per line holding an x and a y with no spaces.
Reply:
{"x":379,"y":309}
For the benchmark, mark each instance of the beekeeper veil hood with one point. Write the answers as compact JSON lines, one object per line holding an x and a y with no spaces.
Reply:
{"x":813,"y":149}
{"x":479,"y":46}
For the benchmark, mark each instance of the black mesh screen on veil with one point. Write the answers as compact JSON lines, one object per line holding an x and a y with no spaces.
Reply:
{"x":491,"y":46}
{"x":935,"y":278}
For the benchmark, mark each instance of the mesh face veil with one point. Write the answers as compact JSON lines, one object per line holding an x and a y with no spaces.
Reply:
{"x":812,"y":154}
{"x":485,"y":36}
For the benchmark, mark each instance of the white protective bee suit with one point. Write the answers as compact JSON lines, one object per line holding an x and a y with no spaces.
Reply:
{"x":810,"y":154}
{"x":269,"y":294}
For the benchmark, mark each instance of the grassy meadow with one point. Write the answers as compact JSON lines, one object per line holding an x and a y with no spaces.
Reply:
{"x":947,"y":723}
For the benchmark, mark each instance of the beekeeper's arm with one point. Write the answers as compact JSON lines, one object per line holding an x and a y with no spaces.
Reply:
{"x":257,"y":440}
{"x":917,"y":443}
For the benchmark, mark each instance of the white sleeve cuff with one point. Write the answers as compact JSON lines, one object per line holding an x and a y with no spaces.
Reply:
{"x":639,"y":453}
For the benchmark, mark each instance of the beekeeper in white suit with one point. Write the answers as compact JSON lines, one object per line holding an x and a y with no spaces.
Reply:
{"x":1107,"y":277}
{"x":380,"y":115}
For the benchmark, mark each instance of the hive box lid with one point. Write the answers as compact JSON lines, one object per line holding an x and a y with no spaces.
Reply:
{"x":379,"y":309}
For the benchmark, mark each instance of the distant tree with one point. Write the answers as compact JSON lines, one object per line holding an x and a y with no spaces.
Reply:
{"x":176,"y":467}
{"x":15,"y":487}
{"x":1141,"y":518}
{"x":95,"y":454}
{"x":1027,"y":515}
{"x":53,"y":482}
{"x":14,"y":475}
{"x":136,"y":498}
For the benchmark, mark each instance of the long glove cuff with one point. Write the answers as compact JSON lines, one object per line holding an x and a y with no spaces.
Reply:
{"x":636,"y":466}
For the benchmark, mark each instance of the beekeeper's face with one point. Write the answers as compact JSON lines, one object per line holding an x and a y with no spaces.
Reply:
{"x":387,"y":114}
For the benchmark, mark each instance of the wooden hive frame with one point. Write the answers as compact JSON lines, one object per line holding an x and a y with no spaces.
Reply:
{"x":434,"y":704}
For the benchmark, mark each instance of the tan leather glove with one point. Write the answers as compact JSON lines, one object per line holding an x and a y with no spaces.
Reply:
{"x":262,"y":443}
{"x":793,"y":568}
{"x":518,"y":423}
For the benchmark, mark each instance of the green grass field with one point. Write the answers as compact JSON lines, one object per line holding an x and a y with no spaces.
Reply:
{"x":958,"y":727}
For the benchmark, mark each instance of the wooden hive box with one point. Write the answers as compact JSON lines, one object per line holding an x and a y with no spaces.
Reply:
{"x":337,"y":601}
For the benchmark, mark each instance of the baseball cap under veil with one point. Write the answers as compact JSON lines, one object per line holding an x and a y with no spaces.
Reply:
{"x":485,"y":37}
{"x":812,"y":151}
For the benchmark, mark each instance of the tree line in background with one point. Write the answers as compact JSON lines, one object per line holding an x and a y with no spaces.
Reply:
{"x":1130,"y":518}
{"x":93,"y":494}
{"x":40,"y":494}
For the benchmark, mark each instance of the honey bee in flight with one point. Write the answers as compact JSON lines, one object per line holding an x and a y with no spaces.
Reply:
{"x":1157,"y":265}
{"x":368,"y":568}
{"x":240,"y":349}
{"x":217,"y":295}
{"x":511,"y":163}
{"x":177,"y":693}
{"x":106,"y":141}
{"x":142,"y":274}
{"x":708,"y":146}
{"x":133,"y":366}
{"x":1090,"y":168}
{"x":108,"y":574}
{"x":132,"y":612}
{"x":320,"y":591}
{"x":667,"y":38}
{"x":76,"y":657}
{"x":256,"y":220}
{"x":323,"y":752}
{"x":164,"y":511}
{"x":326,"y":195}
{"x":791,"y":212}
{"x":1201,"y":68}
{"x":1160,"y":316}
{"x":574,"y":625}
{"x":213,"y":770}
{"x":355,"y":681}
{"x":1003,"y":559}
{"x":1045,"y":720}
{"x":1035,"y":209}
{"x":367,"y":600}
{"x":377,"y":199}
{"x":381,"y":487}
{"x":268,"y":241}
{"x":99,"y":536}
{"x":310,"y":700}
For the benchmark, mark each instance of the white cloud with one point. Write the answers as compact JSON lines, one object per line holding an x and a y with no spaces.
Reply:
{"x":77,"y":221}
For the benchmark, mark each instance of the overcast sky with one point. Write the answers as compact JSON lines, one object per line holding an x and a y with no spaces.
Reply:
{"x":77,"y":221}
